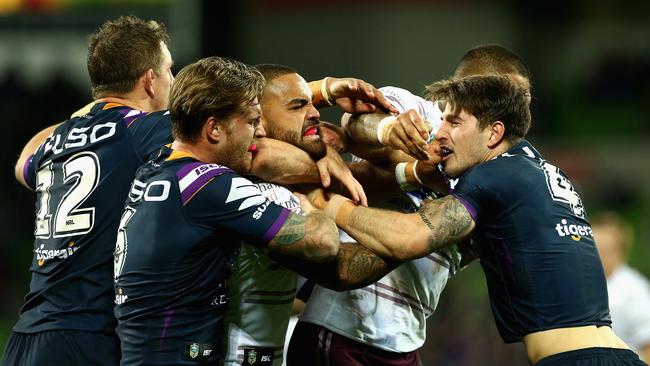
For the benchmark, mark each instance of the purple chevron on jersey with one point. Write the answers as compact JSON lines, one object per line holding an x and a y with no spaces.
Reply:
{"x":194,"y":176}
{"x":130,"y":115}
{"x":270,"y":233}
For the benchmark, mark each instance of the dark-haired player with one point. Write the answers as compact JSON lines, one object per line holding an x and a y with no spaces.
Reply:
{"x":545,"y":280}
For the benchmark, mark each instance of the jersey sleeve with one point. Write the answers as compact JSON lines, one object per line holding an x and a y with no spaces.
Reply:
{"x":29,"y":172}
{"x":149,"y":131}
{"x":216,"y":196}
{"x":403,"y":100}
{"x":30,"y":168}
{"x":477,"y":190}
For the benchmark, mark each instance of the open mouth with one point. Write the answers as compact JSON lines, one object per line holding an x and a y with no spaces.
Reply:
{"x":310,"y":131}
{"x":252,"y":149}
{"x":445,"y":151}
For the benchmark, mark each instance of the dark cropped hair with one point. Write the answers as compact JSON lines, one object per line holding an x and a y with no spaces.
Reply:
{"x":490,"y":59}
{"x":489,"y":98}
{"x":272,"y":71}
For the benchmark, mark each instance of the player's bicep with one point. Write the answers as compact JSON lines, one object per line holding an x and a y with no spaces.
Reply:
{"x":313,"y":237}
{"x":447,"y":220}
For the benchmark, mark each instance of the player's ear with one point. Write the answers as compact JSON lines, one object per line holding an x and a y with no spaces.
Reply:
{"x":147,"y":81}
{"x":497,"y":132}
{"x":213,"y":130}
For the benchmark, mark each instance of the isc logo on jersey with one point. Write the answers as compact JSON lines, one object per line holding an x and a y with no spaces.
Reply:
{"x":575,"y":231}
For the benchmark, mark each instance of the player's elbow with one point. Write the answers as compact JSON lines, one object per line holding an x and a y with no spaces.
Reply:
{"x":324,"y":251}
{"x":326,"y":246}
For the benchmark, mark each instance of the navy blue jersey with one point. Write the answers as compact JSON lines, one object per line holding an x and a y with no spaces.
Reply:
{"x":535,"y":245}
{"x":81,"y":175}
{"x":183,"y":223}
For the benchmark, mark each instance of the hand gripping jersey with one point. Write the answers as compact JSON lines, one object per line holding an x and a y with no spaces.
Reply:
{"x":81,"y":175}
{"x":391,"y":313}
{"x":535,"y":245}
{"x":260,"y":296}
{"x":179,"y":233}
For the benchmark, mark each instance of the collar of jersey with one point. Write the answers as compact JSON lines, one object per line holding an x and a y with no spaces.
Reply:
{"x":523,"y":148}
{"x":171,"y":154}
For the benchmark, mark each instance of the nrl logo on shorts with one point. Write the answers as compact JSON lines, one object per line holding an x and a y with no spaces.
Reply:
{"x":252,"y":357}
{"x":194,"y":350}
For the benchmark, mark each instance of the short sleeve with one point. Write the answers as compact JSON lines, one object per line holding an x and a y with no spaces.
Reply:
{"x":30,"y":169}
{"x":29,"y":172}
{"x":215,"y":196}
{"x":473,"y":191}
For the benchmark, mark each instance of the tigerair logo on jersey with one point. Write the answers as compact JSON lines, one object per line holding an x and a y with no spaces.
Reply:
{"x":575,"y":231}
{"x":43,"y":255}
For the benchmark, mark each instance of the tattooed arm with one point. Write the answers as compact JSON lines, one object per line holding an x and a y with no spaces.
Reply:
{"x":353,"y":267}
{"x":400,"y":236}
{"x":313,"y":237}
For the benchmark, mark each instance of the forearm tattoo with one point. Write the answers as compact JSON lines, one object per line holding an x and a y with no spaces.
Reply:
{"x":447,"y":219}
{"x":292,"y":231}
{"x":363,"y":265}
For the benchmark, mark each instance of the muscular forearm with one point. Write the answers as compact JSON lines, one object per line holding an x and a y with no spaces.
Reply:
{"x":354,"y":266}
{"x":279,"y":162}
{"x":313,"y":237}
{"x":392,"y":235}
{"x":400,"y":236}
{"x":362,"y":128}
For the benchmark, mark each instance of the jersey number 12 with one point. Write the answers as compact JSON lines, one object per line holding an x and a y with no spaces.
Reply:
{"x":68,"y":218}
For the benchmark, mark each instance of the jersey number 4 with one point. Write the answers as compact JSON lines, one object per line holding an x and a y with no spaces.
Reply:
{"x":68,"y":219}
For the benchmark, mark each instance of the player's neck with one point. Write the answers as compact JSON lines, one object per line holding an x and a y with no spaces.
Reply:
{"x":501,"y":148}
{"x":196,"y":150}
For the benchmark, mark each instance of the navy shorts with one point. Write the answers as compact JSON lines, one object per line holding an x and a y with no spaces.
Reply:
{"x":61,"y":347}
{"x":596,"y":356}
{"x":314,"y":345}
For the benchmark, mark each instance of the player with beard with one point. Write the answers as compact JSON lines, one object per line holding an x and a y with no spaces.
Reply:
{"x":261,"y":291}
{"x":187,"y":212}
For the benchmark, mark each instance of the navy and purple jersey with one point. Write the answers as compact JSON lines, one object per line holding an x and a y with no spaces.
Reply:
{"x":182,"y":226}
{"x":535,"y":245}
{"x":81,"y":175}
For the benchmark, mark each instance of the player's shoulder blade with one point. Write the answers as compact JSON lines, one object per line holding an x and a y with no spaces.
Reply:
{"x":101,"y":125}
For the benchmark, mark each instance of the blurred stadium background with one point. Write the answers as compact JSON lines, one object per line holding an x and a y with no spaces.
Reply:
{"x":590,"y":62}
